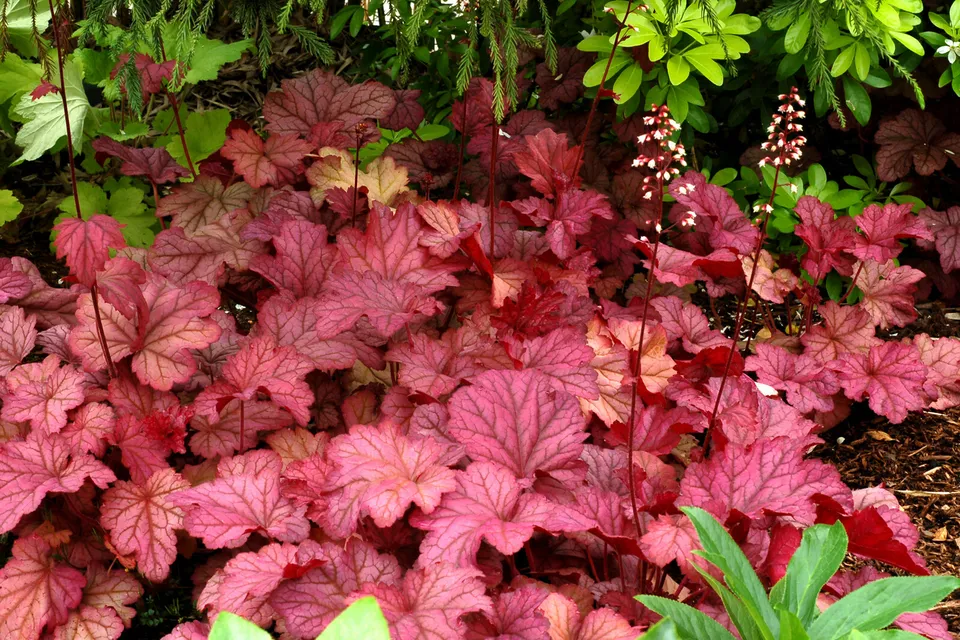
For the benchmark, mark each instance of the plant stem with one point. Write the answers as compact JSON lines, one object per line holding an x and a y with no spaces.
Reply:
{"x":596,"y":99}
{"x":356,"y":180}
{"x":240,"y":446}
{"x":651,"y":277}
{"x":741,"y":311}
{"x":156,"y":204}
{"x":463,"y":143}
{"x":101,"y":334}
{"x":853,"y":283}
{"x":183,"y":137}
{"x":492,"y":194}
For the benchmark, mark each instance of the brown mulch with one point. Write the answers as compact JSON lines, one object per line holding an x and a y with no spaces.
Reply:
{"x":919,"y":461}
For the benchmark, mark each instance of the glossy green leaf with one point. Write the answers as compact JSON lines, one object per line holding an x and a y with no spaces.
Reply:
{"x":691,"y":623}
{"x":843,"y":61}
{"x":877,"y":604}
{"x":594,"y":74}
{"x":796,"y":36}
{"x":857,"y":100}
{"x":678,"y":70}
{"x":822,"y":550}
{"x":362,"y":619}
{"x":228,"y":626}
{"x":791,"y":628}
{"x":627,"y":83}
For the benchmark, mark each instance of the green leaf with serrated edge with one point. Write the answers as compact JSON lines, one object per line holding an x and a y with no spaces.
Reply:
{"x":228,"y":626}
{"x":20,"y":21}
{"x":721,"y":551}
{"x":205,"y":134}
{"x":44,"y":122}
{"x":18,"y":77}
{"x":10,"y":207}
{"x":821,"y":551}
{"x":691,"y":623}
{"x":877,"y":604}
{"x":126,"y":206}
{"x":362,"y":619}
{"x":663,"y":630}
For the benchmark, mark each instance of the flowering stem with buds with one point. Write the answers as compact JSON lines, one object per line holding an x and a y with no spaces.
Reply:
{"x":786,"y":144}
{"x":670,"y":153}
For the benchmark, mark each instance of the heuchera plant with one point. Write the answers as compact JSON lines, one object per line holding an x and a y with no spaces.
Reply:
{"x":486,"y":412}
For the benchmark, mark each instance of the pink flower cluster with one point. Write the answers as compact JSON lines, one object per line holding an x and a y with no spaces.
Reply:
{"x":784,"y":141}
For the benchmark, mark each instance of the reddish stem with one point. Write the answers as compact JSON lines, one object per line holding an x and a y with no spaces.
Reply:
{"x":596,"y":99}
{"x":742,"y":310}
{"x":651,"y":277}
{"x":853,"y":283}
{"x":356,"y":180}
{"x":463,"y":143}
{"x":492,"y":196}
{"x":156,"y":203}
{"x":73,"y":178}
{"x":183,"y":137}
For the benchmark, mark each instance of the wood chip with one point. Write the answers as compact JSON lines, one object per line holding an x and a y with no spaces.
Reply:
{"x":940,"y":535}
{"x":882,"y":436}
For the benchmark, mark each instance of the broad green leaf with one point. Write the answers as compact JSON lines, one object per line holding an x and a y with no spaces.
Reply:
{"x":663,"y":630}
{"x":820,"y":554}
{"x":339,"y":21}
{"x":790,"y":627}
{"x":678,"y":105}
{"x":205,"y":133}
{"x":861,"y":62}
{"x":796,"y":36}
{"x":750,"y":628}
{"x":723,"y":552}
{"x":432,"y":131}
{"x":877,"y":604}
{"x":889,"y":634}
{"x":692,"y":624}
{"x":627,"y":83}
{"x":362,"y":619}
{"x":955,"y":14}
{"x":724,"y":177}
{"x":908,"y":41}
{"x":127,"y":207}
{"x":10,"y":207}
{"x":844,"y":60}
{"x":706,"y":65}
{"x":834,"y":285}
{"x":18,"y":77}
{"x":678,"y":70}
{"x":842,"y":199}
{"x":232,"y":627}
{"x":210,"y":56}
{"x":596,"y":44}
{"x":595,"y":73}
{"x":857,"y":100}
{"x":817,"y":176}
{"x":20,"y":22}
{"x":44,"y":122}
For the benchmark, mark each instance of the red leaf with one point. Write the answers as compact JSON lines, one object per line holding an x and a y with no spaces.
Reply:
{"x":566,"y":84}
{"x":567,"y":622}
{"x":883,"y":227}
{"x":945,"y":228}
{"x":203,"y":202}
{"x":43,"y":89}
{"x":430,"y":164}
{"x":891,"y":374}
{"x":408,"y":114}
{"x":548,"y":162}
{"x":154,"y":164}
{"x":809,"y":385}
{"x":36,"y":592}
{"x":119,"y":284}
{"x":320,"y":97}
{"x":488,"y":504}
{"x":914,"y":137}
{"x":42,"y":464}
{"x":888,"y":293}
{"x":245,"y":498}
{"x":86,"y":244}
{"x":42,"y":393}
{"x":827,"y":239}
{"x":277,"y":162}
{"x":871,"y":537}
{"x":143,"y":522}
{"x":515,"y":616}
{"x":718,"y":215}
{"x":845,"y":329}
{"x":303,"y":259}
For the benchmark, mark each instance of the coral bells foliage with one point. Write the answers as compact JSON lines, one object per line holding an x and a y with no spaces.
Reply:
{"x":433,"y":405}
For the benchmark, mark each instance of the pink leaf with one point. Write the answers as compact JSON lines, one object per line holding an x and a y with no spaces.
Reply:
{"x":303,"y":259}
{"x":488,"y":504}
{"x":142,"y":521}
{"x":245,"y":498}
{"x":222,"y":437}
{"x":515,"y":616}
{"x":517,"y":419}
{"x":718,"y":214}
{"x":564,"y":357}
{"x":548,"y":162}
{"x":430,"y":602}
{"x":445,"y":232}
{"x":203,"y":202}
{"x":809,"y":385}
{"x":567,"y":623}
{"x":86,"y":244}
{"x":688,"y":323}
{"x":888,"y":293}
{"x":309,"y":603}
{"x":883,"y":227}
{"x":915,"y":138}
{"x":277,"y":162}
{"x":153,"y":163}
{"x":52,"y":306}
{"x":112,"y":589}
{"x":141,"y":454}
{"x":320,"y":96}
{"x":93,"y":425}
{"x":942,"y":359}
{"x":17,"y":282}
{"x":42,"y":393}
{"x":827,"y":239}
{"x":945,"y":228}
{"x":430,"y":366}
{"x":845,"y":329}
{"x":39,"y":465}
{"x":36,"y":591}
{"x":177,"y":322}
{"x":88,"y":623}
{"x":262,"y":367}
{"x":408,"y":114}
{"x":671,"y":538}
{"x":189,"y":631}
{"x":771,"y":477}
{"x":770,"y":284}
{"x":891,"y":374}
{"x":119,"y":284}
{"x":379,"y":472}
